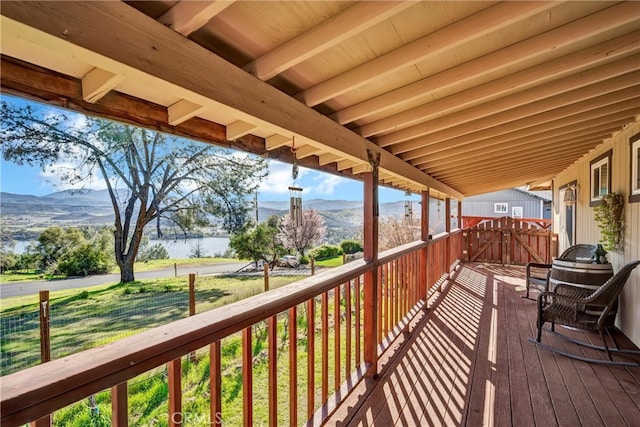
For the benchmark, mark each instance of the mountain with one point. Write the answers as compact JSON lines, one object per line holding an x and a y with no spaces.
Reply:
{"x":22,"y":213}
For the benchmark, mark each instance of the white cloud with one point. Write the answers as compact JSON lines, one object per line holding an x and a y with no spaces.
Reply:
{"x":327,"y":184}
{"x":54,"y":173}
{"x":279,"y":178}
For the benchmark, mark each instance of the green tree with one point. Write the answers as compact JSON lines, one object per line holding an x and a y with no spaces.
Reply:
{"x":259,"y":242}
{"x":53,"y":244}
{"x":149,"y":253}
{"x":151,"y":178}
{"x":350,"y":246}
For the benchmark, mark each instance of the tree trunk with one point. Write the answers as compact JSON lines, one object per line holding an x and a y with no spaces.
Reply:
{"x":126,"y":272}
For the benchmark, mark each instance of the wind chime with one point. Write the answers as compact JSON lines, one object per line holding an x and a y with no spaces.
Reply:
{"x":295,"y":200}
{"x":408,"y":208}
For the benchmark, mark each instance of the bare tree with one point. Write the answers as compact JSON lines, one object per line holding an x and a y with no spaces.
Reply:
{"x":305,"y":236}
{"x":150,"y":177}
{"x":394,"y":232}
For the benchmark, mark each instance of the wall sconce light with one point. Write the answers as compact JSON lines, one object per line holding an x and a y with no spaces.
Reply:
{"x":570,"y":195}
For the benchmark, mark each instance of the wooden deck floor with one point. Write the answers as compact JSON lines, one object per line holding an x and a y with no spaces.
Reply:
{"x":468,"y":362}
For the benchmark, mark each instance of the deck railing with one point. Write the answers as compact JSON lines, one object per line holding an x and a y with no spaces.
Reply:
{"x":361,"y":320}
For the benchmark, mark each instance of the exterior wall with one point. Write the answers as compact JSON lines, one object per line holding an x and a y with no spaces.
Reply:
{"x":483,"y":204}
{"x":588,"y":232}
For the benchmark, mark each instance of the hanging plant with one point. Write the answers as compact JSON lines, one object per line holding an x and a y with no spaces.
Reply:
{"x":610,"y":218}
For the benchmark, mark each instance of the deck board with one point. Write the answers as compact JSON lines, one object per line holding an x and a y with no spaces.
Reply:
{"x":468,"y":361}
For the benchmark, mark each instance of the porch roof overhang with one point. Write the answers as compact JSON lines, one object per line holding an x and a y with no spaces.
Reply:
{"x":460,"y":98}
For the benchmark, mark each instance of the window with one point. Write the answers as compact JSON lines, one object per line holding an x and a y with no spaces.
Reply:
{"x":600,"y":178}
{"x":501,"y":208}
{"x":634,"y":191}
{"x":516,"y":212}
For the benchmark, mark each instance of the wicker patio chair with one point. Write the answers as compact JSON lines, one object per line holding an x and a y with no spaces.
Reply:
{"x":586,"y":309}
{"x":537,"y":274}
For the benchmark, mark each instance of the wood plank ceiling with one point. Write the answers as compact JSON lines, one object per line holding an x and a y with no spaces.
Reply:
{"x":460,"y":97}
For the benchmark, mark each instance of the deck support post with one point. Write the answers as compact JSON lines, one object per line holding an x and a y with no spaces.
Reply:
{"x":371,"y":257}
{"x":424,"y":236}
{"x":447,"y":228}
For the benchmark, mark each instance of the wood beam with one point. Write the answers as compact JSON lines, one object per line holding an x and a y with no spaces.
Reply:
{"x":329,"y":33}
{"x":182,"y":111}
{"x":584,"y":127}
{"x":239,"y":128}
{"x":603,"y":105}
{"x":276,"y":141}
{"x":538,"y":99}
{"x":185,"y":17}
{"x":36,"y":83}
{"x":522,"y":149}
{"x":602,"y":128}
{"x":346,"y":164}
{"x":97,"y":83}
{"x":472,"y":27}
{"x":542,"y":44}
{"x":306,"y":151}
{"x":358,"y":169}
{"x":165,"y":58}
{"x":325,"y":159}
{"x":526,"y":156}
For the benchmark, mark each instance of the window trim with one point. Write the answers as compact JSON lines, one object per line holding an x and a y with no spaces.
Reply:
{"x":504,"y":210}
{"x":513,"y":211}
{"x":634,"y":153}
{"x":604,"y":158}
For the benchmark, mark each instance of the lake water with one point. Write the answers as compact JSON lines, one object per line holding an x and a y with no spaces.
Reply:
{"x":181,"y":248}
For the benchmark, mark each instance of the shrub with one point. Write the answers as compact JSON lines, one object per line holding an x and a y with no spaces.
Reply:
{"x":350,"y":246}
{"x":304,"y":260}
{"x":153,"y":252}
{"x":85,"y":260}
{"x":325,"y":251}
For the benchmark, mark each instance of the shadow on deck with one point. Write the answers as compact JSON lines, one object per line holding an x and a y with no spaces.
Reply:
{"x":467,"y":361}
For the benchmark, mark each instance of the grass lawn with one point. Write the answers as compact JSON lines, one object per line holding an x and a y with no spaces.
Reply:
{"x":330,"y":262}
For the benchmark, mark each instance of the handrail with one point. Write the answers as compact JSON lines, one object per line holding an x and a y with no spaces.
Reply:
{"x":38,"y":391}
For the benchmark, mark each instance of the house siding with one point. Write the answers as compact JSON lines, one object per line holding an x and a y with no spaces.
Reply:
{"x":588,"y":232}
{"x":483,"y":204}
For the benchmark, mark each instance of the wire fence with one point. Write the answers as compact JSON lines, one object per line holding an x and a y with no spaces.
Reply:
{"x":78,"y":324}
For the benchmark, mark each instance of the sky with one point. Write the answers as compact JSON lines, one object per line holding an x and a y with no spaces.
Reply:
{"x":316,"y":185}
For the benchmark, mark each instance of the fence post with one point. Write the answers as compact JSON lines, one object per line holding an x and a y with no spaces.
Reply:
{"x":192,"y":305}
{"x":313,"y":266}
{"x":45,"y":334}
{"x":175,"y":269}
{"x":192,"y":294}
{"x":265,"y":266}
{"x":45,"y":346}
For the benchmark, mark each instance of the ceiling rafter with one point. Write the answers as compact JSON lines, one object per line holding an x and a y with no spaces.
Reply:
{"x":329,"y":33}
{"x":580,"y":84}
{"x":528,"y":48}
{"x":601,"y":105}
{"x":444,"y":160}
{"x":97,"y":83}
{"x":590,"y":118}
{"x":186,"y":17}
{"x":519,"y":157}
{"x":490,"y":19}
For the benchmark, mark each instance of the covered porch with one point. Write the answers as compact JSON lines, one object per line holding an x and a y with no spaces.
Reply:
{"x":467,"y":361}
{"x":441,"y":99}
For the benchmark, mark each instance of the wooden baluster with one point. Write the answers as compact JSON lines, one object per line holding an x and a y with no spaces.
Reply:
{"x":348,"y":326}
{"x":293,"y":367}
{"x":380,"y":299}
{"x":215,"y":383}
{"x":311,"y":360}
{"x":325,"y":346}
{"x":358,"y":336}
{"x":247,"y":377}
{"x":174,"y":369}
{"x":119,"y":405}
{"x":388,"y":300}
{"x":273,"y":369}
{"x":398,"y":291}
{"x":337,"y":312}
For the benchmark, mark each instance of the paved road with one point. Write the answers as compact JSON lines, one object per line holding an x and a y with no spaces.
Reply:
{"x":9,"y":290}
